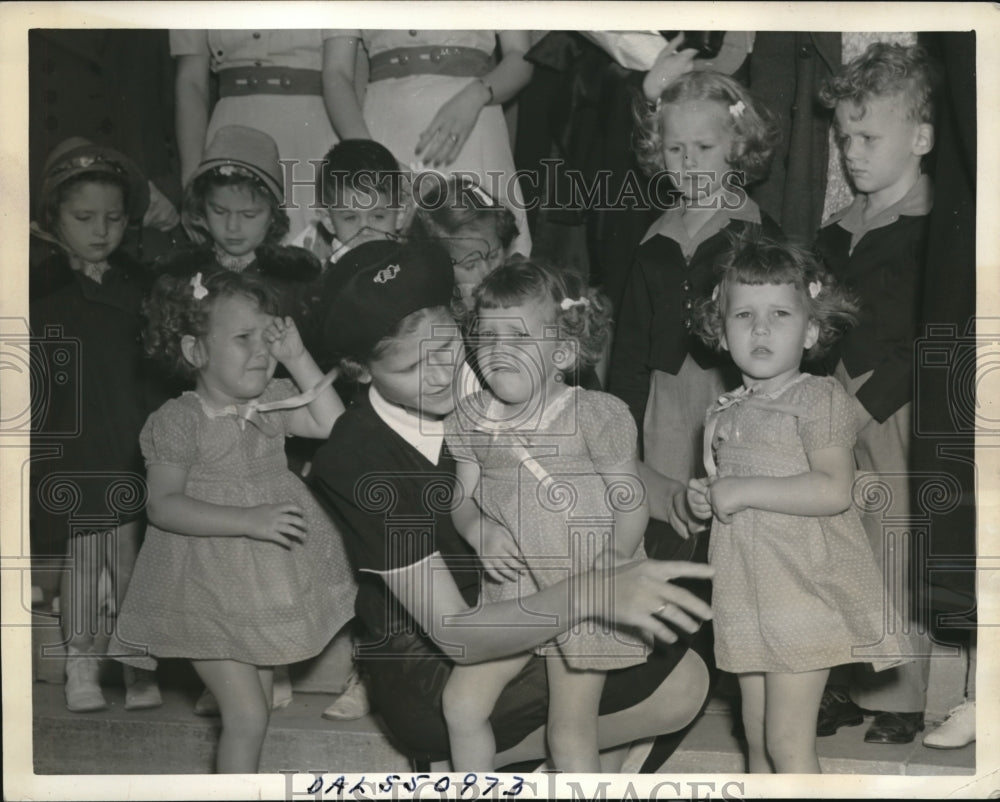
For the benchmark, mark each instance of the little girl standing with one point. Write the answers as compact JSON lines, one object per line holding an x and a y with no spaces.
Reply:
{"x":523,"y":450}
{"x":241,"y":570}
{"x":710,"y":138}
{"x":89,"y":292}
{"x":796,"y":588}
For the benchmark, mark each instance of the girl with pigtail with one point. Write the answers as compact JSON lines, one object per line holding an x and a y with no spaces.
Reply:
{"x":534,"y":456}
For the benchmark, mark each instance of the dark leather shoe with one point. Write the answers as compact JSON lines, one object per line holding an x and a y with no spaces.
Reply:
{"x":836,"y":710}
{"x":894,"y":728}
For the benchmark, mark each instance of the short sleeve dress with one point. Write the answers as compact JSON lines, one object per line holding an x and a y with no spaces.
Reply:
{"x":541,"y":480}
{"x":792,"y":593}
{"x":233,"y":598}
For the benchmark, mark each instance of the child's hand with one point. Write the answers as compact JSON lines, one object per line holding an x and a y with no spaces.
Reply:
{"x":723,"y":495}
{"x":670,"y":64}
{"x":276,"y":523}
{"x":698,"y":498}
{"x":499,"y":552}
{"x":444,"y":138}
{"x":283,"y":340}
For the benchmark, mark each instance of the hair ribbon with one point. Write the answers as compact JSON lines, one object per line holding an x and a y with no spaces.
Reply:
{"x":569,"y":303}
{"x":198,"y":289}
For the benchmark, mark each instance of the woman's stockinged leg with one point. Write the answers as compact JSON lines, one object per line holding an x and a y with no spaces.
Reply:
{"x":574,"y":698}
{"x":790,"y":719}
{"x":673,"y":705}
{"x":752,"y":704}
{"x":245,"y":707}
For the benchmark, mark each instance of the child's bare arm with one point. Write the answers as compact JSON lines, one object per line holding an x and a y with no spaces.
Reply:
{"x":627,"y":495}
{"x":495,"y":546}
{"x":823,"y":490}
{"x":170,"y":508}
{"x":316,"y":419}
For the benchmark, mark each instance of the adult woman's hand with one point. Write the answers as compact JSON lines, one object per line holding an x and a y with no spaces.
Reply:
{"x":643,"y":595}
{"x":442,"y":140}
{"x":670,"y":64}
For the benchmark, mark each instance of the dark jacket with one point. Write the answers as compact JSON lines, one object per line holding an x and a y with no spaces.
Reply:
{"x":92,"y":388}
{"x":787,"y":69}
{"x":654,"y":329}
{"x":885,"y":271}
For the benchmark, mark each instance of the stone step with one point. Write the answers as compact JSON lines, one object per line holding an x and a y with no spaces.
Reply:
{"x":172,"y":740}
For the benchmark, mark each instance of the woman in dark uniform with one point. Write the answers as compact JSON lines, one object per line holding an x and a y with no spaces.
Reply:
{"x":386,"y":477}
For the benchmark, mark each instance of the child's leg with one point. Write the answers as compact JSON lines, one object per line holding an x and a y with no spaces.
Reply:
{"x":574,"y":698}
{"x":468,"y":701}
{"x":791,"y":709}
{"x":244,"y":695}
{"x":752,"y":705}
{"x":121,"y":560}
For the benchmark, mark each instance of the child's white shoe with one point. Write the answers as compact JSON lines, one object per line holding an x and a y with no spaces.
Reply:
{"x":956,"y":731}
{"x":352,"y":703}
{"x":141,"y":689}
{"x":83,"y":691}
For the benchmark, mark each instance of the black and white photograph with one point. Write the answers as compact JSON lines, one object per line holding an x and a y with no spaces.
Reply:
{"x":578,"y":404}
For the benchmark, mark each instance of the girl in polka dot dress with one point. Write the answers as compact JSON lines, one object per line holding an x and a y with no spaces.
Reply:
{"x":796,"y":589}
{"x":546,"y":480}
{"x":241,"y":570}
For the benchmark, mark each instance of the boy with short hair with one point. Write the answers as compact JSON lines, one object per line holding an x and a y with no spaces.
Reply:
{"x":363,"y":190}
{"x":883,"y":121}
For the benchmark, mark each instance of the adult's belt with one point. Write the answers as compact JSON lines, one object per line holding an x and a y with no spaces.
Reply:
{"x":430,"y":60}
{"x":269,"y":81}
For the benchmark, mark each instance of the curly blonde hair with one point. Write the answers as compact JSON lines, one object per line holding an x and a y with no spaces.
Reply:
{"x":585,"y":319}
{"x":755,"y":131}
{"x":884,"y":70}
{"x":754,"y":258}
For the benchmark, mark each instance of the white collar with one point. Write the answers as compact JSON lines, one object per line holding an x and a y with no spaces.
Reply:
{"x":426,"y":436}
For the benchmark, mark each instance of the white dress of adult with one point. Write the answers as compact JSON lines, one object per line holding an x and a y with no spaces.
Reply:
{"x":268,"y":80}
{"x":434,"y":100}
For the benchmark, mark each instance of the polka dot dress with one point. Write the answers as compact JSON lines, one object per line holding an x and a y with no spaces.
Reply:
{"x":234,"y":598}
{"x":542,"y":480}
{"x":792,"y":593}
